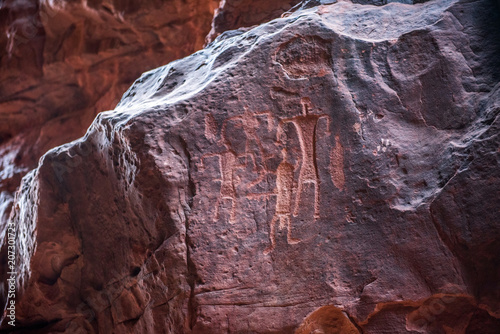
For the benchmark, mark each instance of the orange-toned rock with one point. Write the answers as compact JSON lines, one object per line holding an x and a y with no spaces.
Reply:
{"x":327,"y":320}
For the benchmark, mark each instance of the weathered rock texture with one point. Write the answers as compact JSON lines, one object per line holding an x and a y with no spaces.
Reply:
{"x":335,"y":170}
{"x":62,"y":62}
{"x":234,"y":14}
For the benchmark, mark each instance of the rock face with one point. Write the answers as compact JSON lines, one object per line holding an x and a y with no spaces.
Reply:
{"x":334,"y":171}
{"x":65,"y":61}
{"x":234,"y":14}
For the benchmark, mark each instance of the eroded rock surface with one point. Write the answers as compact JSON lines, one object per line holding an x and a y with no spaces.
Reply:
{"x":334,"y":170}
{"x":62,"y":62}
{"x":234,"y":14}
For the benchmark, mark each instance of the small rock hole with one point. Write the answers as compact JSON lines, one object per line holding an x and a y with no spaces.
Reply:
{"x":135,"y":271}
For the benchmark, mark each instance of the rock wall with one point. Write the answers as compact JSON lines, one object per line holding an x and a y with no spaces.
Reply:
{"x":63,"y":62}
{"x":66,"y":61}
{"x":334,"y":170}
{"x":234,"y":14}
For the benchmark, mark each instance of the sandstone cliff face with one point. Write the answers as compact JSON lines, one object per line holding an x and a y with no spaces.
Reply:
{"x":234,"y":14}
{"x":335,"y":171}
{"x":66,"y":61}
{"x":62,"y":62}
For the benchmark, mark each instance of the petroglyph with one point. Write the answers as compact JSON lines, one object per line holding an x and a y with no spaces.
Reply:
{"x":337,"y":165}
{"x":210,"y":127}
{"x":284,"y":190}
{"x":407,"y":61}
{"x":227,"y":191}
{"x":250,"y":124}
{"x":305,"y":57}
{"x":228,"y":163}
{"x":229,"y":159}
{"x":305,"y":126}
{"x":288,"y":192}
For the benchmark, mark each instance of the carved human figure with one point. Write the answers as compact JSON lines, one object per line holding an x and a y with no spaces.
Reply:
{"x":305,"y":126}
{"x":250,"y":125}
{"x":228,"y":164}
{"x":229,"y":159}
{"x":284,"y":190}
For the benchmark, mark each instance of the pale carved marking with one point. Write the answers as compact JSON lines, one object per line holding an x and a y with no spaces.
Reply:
{"x":251,"y":125}
{"x":229,"y":159}
{"x":228,"y":164}
{"x":305,"y":126}
{"x":305,"y":57}
{"x":210,"y":127}
{"x":349,"y":216}
{"x":284,"y":191}
{"x":288,"y":193}
{"x":337,"y":165}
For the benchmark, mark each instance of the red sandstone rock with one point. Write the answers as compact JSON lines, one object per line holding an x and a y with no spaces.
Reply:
{"x":62,"y":62}
{"x":234,"y":14}
{"x":341,"y":163}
